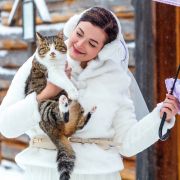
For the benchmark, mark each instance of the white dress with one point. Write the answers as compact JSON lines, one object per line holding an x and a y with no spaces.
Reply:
{"x":38,"y":173}
{"x":102,"y":84}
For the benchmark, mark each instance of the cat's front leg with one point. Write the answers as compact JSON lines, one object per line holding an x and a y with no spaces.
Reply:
{"x":62,"y":81}
{"x":64,"y":108}
{"x":70,"y":89}
{"x":72,"y":93}
{"x":83,"y":120}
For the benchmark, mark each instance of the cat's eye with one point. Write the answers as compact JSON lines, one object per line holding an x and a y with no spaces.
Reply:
{"x":64,"y":50}
{"x":41,"y":51}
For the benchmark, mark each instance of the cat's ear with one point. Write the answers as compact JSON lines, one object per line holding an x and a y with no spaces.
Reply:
{"x":39,"y":36}
{"x":60,"y":35}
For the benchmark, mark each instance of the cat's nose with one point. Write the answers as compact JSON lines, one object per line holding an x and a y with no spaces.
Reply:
{"x":53,"y":54}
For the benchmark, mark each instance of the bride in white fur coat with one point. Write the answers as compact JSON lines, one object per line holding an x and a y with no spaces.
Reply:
{"x":98,"y":56}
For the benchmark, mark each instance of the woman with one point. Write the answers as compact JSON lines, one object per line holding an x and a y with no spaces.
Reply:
{"x":97,"y":54}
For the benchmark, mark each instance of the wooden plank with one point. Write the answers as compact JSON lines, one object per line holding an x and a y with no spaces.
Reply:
{"x":11,"y":146}
{"x":6,"y":6}
{"x":166,"y":152}
{"x":178,"y":63}
{"x":2,"y":94}
{"x":16,"y":7}
{"x":4,"y":84}
{"x":0,"y":152}
{"x":145,"y":75}
{"x":11,"y":44}
{"x":10,"y":149}
{"x":129,"y":172}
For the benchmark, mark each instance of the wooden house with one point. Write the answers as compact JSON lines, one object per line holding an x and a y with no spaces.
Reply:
{"x":152,"y":32}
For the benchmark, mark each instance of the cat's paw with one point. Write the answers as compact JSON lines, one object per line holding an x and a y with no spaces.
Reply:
{"x":93,"y":109}
{"x":91,"y":112}
{"x":73,"y":94}
{"x":64,"y":107}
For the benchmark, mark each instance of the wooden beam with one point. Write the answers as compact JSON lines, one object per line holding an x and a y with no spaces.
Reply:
{"x":177,"y":63}
{"x":145,"y":76}
{"x":166,"y":51}
{"x":159,"y":161}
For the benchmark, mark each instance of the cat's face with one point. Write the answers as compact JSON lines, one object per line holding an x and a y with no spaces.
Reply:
{"x":51,"y":47}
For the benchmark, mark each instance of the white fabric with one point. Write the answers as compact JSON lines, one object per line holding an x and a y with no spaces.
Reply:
{"x":116,"y":51}
{"x":15,"y":101}
{"x":102,"y":84}
{"x":38,"y":173}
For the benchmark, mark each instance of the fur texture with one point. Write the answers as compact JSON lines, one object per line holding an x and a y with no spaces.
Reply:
{"x":60,"y":116}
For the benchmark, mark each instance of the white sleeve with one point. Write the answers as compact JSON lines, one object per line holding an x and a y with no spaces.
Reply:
{"x":135,"y":136}
{"x":17,"y":112}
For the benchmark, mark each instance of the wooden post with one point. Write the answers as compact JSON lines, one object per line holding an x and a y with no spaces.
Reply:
{"x":160,"y":161}
{"x":166,"y":52}
{"x":145,"y":76}
{"x":178,"y":63}
{"x":0,"y":150}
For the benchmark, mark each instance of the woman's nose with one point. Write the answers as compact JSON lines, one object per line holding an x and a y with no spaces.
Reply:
{"x":80,"y":43}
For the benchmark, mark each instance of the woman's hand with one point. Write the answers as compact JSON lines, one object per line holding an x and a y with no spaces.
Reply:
{"x":49,"y":91}
{"x":68,"y":70}
{"x":170,"y":106}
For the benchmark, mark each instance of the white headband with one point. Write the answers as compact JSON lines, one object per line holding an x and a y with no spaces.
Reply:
{"x":116,"y":50}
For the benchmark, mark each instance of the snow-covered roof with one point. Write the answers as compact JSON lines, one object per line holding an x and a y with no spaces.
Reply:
{"x":8,"y":30}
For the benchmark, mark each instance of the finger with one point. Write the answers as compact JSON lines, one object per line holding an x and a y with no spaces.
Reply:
{"x":171,"y":108}
{"x":169,"y":96}
{"x":168,"y":112}
{"x":173,"y":102}
{"x":68,"y":71}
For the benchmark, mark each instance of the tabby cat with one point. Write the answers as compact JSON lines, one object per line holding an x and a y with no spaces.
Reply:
{"x":60,"y":116}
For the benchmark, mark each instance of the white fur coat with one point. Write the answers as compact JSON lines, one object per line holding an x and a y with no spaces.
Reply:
{"x":100,"y":84}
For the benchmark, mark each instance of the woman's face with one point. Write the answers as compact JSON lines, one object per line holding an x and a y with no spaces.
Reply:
{"x":86,"y":41}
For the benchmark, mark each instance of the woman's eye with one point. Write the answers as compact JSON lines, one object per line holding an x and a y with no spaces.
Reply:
{"x":79,"y":34}
{"x":92,"y":45}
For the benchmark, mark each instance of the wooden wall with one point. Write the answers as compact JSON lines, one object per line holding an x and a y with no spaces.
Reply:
{"x":166,"y":66}
{"x":162,"y":160}
{"x":177,"y":64}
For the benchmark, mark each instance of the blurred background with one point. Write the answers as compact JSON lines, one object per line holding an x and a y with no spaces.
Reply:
{"x":152,"y":33}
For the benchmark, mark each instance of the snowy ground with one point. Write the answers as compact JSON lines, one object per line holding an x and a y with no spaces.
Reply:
{"x":10,"y":171}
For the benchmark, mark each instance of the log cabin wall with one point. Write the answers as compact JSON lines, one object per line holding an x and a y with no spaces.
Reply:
{"x":161,"y":22}
{"x":177,"y":64}
{"x":14,"y":52}
{"x":166,"y":66}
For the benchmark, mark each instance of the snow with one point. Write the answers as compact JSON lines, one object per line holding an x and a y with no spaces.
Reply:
{"x":131,"y":45}
{"x":4,"y":14}
{"x":6,"y":30}
{"x":3,"y":53}
{"x":7,"y":71}
{"x":45,"y":27}
{"x":9,"y":171}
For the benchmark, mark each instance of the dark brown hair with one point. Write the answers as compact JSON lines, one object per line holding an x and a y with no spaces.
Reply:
{"x":104,"y":19}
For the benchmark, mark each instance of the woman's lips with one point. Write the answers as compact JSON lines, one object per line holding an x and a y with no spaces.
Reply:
{"x":77,"y":51}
